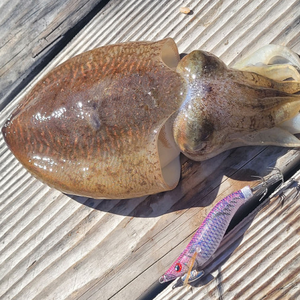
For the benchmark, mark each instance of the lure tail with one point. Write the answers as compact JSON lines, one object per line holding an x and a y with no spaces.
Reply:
{"x":261,"y":189}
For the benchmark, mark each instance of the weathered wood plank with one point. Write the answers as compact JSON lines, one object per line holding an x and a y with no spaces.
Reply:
{"x":179,"y":225}
{"x":259,"y":258}
{"x":30,"y":30}
{"x":55,"y":247}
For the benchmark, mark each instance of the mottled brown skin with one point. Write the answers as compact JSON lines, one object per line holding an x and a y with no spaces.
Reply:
{"x":88,"y":127}
{"x":110,"y":122}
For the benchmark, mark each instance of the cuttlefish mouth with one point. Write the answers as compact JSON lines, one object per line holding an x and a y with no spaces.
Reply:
{"x":229,"y":107}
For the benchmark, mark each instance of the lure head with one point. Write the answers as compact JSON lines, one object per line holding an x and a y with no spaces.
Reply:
{"x":189,"y":259}
{"x":178,"y":269}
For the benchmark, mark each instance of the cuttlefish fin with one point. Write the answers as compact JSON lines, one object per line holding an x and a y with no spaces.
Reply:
{"x":275,"y":136}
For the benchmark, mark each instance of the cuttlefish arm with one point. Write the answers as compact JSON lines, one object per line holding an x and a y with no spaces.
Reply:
{"x":278,"y":63}
{"x":269,"y":56}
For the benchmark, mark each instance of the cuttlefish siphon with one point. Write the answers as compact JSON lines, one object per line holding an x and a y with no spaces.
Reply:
{"x":111,"y":122}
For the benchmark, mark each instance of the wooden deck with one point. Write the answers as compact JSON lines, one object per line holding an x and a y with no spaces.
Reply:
{"x":53,"y":246}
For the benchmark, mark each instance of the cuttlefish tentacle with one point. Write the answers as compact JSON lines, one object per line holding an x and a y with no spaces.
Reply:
{"x":278,"y":63}
{"x":275,"y":62}
{"x":276,"y":72}
{"x":292,"y":125}
{"x":269,"y":55}
{"x":273,"y":137}
{"x":257,"y":78}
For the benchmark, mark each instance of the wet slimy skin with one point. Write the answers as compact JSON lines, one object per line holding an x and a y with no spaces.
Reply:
{"x":111,"y":122}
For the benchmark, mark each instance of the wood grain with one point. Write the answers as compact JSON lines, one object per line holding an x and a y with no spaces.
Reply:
{"x":54,"y":246}
{"x":259,"y":258}
{"x":29,"y":37}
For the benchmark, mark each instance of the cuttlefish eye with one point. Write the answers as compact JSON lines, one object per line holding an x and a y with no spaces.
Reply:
{"x":110,"y":123}
{"x":226,"y":108}
{"x":178,"y":267}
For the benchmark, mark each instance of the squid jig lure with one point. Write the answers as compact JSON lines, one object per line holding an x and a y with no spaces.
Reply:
{"x":208,"y":237}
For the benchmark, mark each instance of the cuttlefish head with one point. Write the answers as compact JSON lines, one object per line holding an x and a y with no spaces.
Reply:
{"x":111,"y":122}
{"x":226,"y":108}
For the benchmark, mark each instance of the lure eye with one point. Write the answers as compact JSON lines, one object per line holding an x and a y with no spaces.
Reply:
{"x":178,"y":267}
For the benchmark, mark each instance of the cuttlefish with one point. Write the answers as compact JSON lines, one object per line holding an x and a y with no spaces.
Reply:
{"x":112,"y":122}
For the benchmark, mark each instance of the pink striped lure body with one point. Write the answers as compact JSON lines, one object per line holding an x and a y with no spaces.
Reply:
{"x":207,"y":238}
